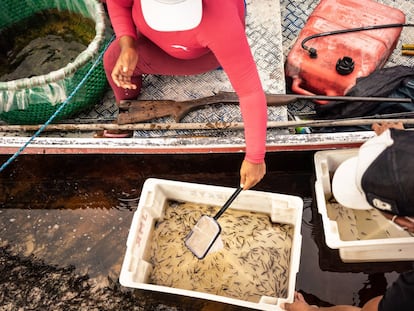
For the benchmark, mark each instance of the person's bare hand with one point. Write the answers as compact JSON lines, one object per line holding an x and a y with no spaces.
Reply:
{"x":126,"y":64}
{"x":251,"y":173}
{"x":406,"y":223}
{"x":379,"y":128}
{"x":299,"y":304}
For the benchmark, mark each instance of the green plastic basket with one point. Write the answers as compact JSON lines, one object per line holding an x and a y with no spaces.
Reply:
{"x":34,"y":100}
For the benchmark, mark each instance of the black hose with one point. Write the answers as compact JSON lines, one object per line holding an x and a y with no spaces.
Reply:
{"x":313,"y":52}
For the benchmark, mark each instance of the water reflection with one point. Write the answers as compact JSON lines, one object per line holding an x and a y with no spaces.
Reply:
{"x":65,"y":220}
{"x":81,"y":237}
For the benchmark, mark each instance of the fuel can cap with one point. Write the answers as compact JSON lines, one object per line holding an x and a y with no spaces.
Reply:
{"x":345,"y":65}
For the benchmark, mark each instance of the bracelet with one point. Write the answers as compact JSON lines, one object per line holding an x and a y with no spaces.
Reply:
{"x":410,"y":219}
{"x":393,"y":218}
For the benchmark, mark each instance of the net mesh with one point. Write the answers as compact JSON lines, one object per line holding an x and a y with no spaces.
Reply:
{"x":34,"y":100}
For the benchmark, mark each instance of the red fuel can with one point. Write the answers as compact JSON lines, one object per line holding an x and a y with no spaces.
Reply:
{"x":359,"y":52}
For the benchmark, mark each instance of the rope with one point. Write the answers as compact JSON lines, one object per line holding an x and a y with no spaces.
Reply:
{"x":40,"y":130}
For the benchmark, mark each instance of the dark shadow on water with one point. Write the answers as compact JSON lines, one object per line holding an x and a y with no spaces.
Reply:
{"x":65,"y":219}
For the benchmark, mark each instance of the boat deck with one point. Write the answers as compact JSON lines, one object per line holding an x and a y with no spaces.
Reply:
{"x":272,"y":28}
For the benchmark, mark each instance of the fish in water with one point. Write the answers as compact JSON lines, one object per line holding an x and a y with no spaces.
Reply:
{"x":253,"y":263}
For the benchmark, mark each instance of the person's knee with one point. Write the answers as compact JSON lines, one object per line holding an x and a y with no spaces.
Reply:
{"x":110,"y":56}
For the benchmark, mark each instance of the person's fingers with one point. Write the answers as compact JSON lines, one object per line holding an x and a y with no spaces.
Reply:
{"x":299,"y":297}
{"x":124,"y":69}
{"x":406,"y":223}
{"x":379,"y":128}
{"x":248,"y":184}
{"x":251,"y":173}
{"x":375,"y":127}
{"x":399,"y":126}
{"x":285,"y":306}
{"x":117,"y":75}
{"x":243,"y":181}
{"x":115,"y":78}
{"x":299,"y":303}
{"x":122,"y":80}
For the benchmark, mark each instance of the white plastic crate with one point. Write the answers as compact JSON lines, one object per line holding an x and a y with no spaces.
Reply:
{"x":360,"y":236}
{"x":156,"y":193}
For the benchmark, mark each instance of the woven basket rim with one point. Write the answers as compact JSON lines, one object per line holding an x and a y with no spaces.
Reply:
{"x":84,"y":57}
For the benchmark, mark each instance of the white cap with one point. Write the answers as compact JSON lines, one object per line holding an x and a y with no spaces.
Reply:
{"x":346,"y":182}
{"x":172,"y":15}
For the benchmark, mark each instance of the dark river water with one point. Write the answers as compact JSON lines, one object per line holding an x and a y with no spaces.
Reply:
{"x":64,"y":221}
{"x":42,"y":43}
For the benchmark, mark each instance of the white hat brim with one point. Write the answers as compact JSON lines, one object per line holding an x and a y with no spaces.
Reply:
{"x":345,"y":187}
{"x":179,"y":16}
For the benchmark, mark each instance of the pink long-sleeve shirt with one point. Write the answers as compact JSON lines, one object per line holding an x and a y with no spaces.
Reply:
{"x":221,"y":31}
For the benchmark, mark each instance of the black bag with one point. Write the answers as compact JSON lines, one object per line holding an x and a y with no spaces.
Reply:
{"x":391,"y":82}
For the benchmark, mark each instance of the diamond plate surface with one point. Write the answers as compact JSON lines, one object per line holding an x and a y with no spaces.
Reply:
{"x":272,"y":29}
{"x":264,"y":32}
{"x":295,"y":13}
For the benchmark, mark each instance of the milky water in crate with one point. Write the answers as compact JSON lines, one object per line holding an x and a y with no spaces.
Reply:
{"x":257,"y":266}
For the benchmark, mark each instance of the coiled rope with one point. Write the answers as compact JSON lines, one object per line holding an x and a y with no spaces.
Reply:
{"x":53,"y":116}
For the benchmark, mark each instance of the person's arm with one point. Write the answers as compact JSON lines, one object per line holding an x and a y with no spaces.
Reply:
{"x":233,"y":53}
{"x":120,"y":14}
{"x":406,"y":223}
{"x":300,"y":304}
{"x":126,"y":63}
{"x":372,"y":305}
{"x":225,"y":36}
{"x":238,"y":63}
